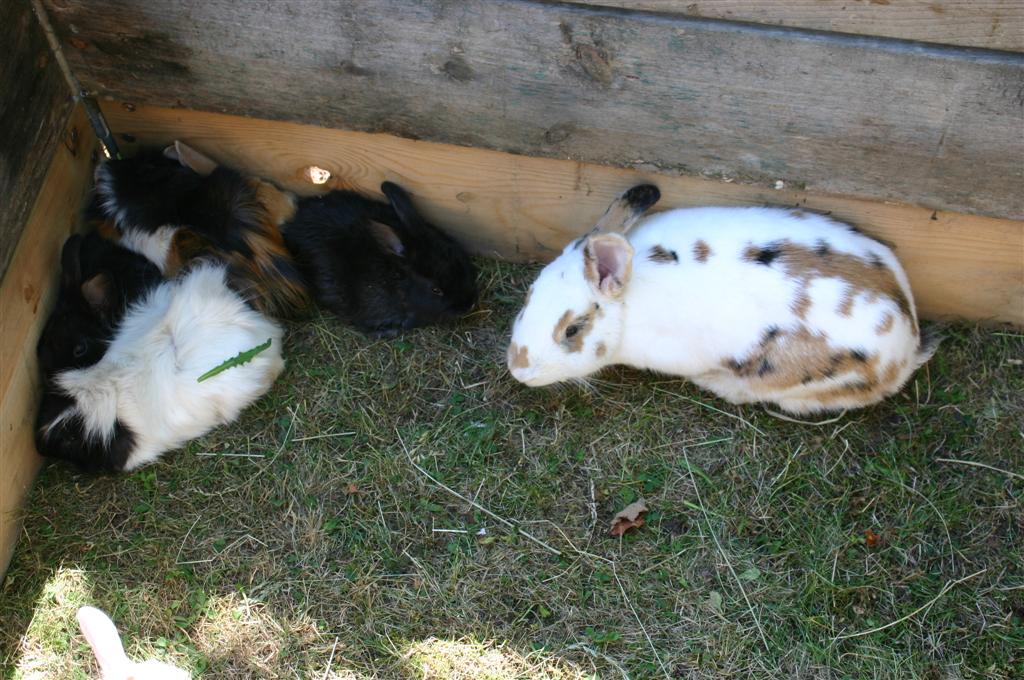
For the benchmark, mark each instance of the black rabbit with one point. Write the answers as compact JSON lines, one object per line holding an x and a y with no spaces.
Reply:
{"x":99,"y":282}
{"x":175,"y":204}
{"x":379,"y":266}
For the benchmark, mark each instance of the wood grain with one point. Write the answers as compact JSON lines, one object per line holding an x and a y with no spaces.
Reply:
{"x":26,"y":295}
{"x":992,"y":24}
{"x":34,"y":107}
{"x":526,"y":209}
{"x":936,"y":126}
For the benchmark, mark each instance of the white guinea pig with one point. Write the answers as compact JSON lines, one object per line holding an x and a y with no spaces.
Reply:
{"x":102,"y":636}
{"x":754,"y":304}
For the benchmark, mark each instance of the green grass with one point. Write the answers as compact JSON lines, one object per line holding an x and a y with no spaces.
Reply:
{"x":303,"y":541}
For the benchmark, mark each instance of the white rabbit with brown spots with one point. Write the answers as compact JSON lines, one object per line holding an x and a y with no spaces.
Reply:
{"x":754,"y":304}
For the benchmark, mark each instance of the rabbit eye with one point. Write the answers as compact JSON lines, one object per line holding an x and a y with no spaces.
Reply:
{"x":437,"y":291}
{"x":80,"y":350}
{"x":571,"y":331}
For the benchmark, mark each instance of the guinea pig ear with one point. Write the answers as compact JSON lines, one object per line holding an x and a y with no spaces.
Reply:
{"x":70,"y":261}
{"x":402,"y":205}
{"x":98,"y":293}
{"x":190,"y":158}
{"x":102,"y":636}
{"x":608,"y":263}
{"x":627,"y":209}
{"x":387,"y":237}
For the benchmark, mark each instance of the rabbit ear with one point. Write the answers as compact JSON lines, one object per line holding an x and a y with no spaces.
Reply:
{"x":608,"y":263}
{"x":70,"y":260}
{"x":190,"y":158}
{"x":387,"y":237}
{"x":102,"y":636}
{"x":402,"y":204}
{"x":625,"y":210}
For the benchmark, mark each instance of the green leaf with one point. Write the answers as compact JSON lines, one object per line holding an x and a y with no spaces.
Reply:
{"x":751,"y":574}
{"x":715,"y":601}
{"x":237,"y":360}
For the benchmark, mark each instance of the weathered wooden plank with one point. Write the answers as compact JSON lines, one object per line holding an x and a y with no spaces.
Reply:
{"x":526,"y":209}
{"x":866,"y":117}
{"x":26,"y":294}
{"x":34,"y":108}
{"x":992,"y":24}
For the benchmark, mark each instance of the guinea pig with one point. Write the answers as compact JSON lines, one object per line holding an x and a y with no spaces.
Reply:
{"x":380,"y":266}
{"x":175,"y":204}
{"x":98,"y":283}
{"x":122,"y":354}
{"x":755,"y":304}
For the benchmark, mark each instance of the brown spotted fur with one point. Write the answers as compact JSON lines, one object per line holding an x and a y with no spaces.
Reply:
{"x":519,"y":357}
{"x":863,"y":276}
{"x":701,"y":251}
{"x":662,"y":255}
{"x":793,"y":358}
{"x":583,"y":322}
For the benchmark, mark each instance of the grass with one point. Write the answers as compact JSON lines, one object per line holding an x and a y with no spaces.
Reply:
{"x":314,"y":538}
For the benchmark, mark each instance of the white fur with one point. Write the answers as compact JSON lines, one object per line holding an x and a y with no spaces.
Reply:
{"x":153,"y":246}
{"x":103,"y":638}
{"x":148,"y":378}
{"x":686,"y":318}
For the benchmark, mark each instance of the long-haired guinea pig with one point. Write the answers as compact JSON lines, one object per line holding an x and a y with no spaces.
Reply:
{"x":175,"y":204}
{"x":123,"y":350}
{"x":753,"y":304}
{"x":380,"y":266}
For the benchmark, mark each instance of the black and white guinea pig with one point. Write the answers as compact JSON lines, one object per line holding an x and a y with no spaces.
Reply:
{"x":380,"y":266}
{"x":753,"y":304}
{"x":175,"y":204}
{"x":98,"y":283}
{"x":123,"y":350}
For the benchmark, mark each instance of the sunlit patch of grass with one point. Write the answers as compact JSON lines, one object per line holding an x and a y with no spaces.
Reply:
{"x":466,"y":659}
{"x":51,"y":634}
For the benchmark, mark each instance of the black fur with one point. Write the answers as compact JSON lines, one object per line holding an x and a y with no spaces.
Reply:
{"x":68,"y":441}
{"x":379,"y":281}
{"x":150,"y":190}
{"x":767,"y":254}
{"x":77,"y":334}
{"x":641,"y":197}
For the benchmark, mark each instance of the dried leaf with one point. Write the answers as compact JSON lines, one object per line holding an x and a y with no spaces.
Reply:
{"x":628,"y":518}
{"x":871,"y":538}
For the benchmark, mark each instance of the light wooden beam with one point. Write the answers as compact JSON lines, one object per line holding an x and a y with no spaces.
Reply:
{"x":525,"y":209}
{"x":26,"y":295}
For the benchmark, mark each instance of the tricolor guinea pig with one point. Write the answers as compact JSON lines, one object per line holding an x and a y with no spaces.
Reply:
{"x":754,"y":304}
{"x":176,"y":205}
